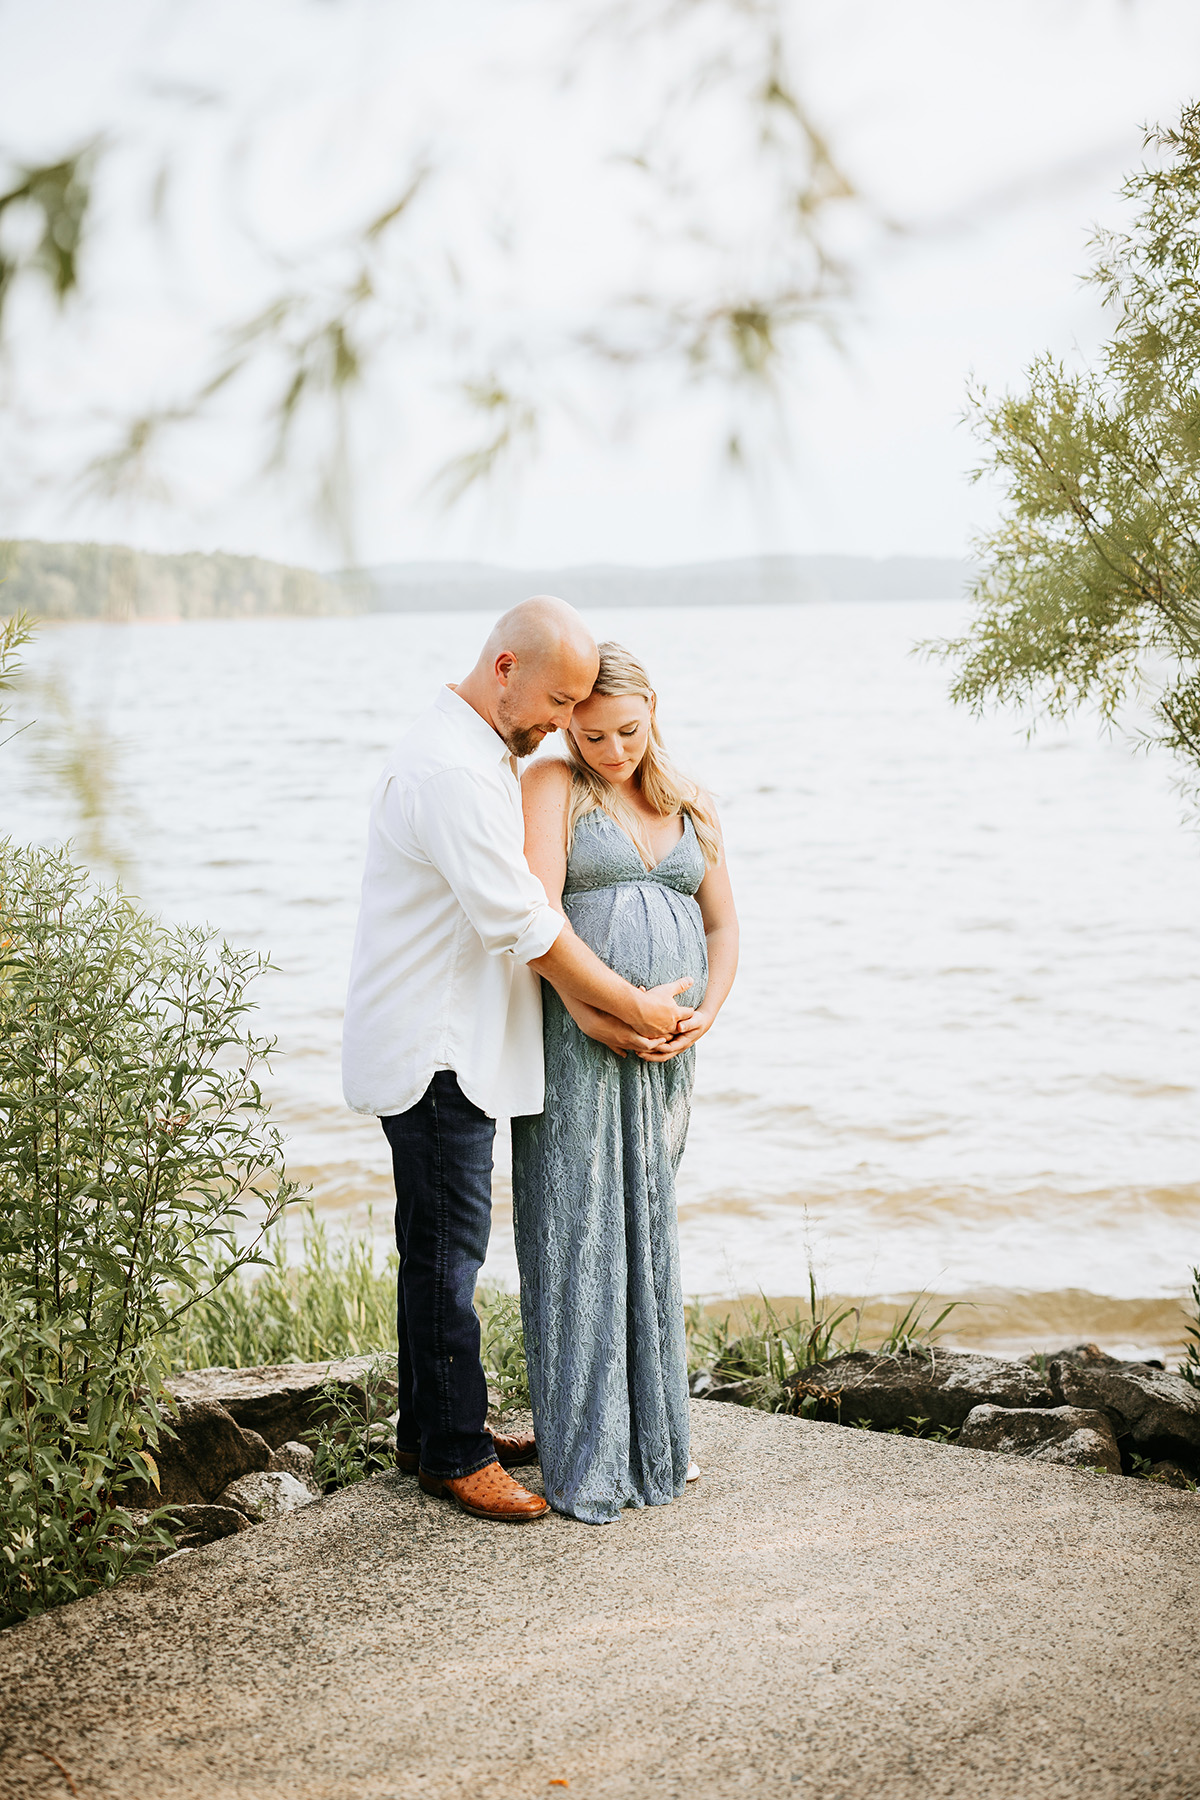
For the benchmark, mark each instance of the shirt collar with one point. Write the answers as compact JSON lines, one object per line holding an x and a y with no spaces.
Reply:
{"x":490,"y":745}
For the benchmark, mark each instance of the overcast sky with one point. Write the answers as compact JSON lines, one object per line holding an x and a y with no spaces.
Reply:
{"x":995,"y":133}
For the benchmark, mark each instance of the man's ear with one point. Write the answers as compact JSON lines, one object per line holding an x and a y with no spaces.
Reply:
{"x":503,"y":666}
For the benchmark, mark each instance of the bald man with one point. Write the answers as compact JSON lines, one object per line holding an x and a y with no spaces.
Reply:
{"x":443,"y":1031}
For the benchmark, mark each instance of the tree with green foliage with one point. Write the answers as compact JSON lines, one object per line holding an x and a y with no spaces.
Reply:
{"x":1090,"y":587}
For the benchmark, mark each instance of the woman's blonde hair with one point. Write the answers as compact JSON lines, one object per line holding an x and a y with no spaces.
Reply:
{"x":668,"y":792}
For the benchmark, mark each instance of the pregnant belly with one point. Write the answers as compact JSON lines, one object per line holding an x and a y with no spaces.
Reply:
{"x":645,"y":932}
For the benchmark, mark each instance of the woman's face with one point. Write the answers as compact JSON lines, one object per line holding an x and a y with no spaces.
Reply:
{"x":611,"y":732}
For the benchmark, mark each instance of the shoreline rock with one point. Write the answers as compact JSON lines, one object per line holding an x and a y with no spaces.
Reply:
{"x":206,"y":1451}
{"x":218,"y":1472}
{"x":1070,"y":1435}
{"x":281,"y":1401}
{"x":942,"y":1386}
{"x":196,"y":1526}
{"x":268,"y":1494}
{"x":238,"y":1457}
{"x":299,"y":1460}
{"x":1132,"y":1418}
{"x":1158,"y":1412}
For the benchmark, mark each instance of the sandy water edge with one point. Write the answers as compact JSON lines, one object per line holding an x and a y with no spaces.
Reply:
{"x":1000,"y":1321}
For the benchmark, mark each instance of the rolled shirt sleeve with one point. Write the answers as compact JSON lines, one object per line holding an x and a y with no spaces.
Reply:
{"x":466,"y":825}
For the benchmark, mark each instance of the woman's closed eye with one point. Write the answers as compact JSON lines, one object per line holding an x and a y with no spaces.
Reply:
{"x":625,"y":731}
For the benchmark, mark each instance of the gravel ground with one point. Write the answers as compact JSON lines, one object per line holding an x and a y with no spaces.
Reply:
{"x":830,"y":1613}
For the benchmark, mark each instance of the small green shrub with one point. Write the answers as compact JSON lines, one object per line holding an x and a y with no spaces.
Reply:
{"x":1141,"y":1468}
{"x":63,"y":1532}
{"x":133,"y":1139}
{"x":502,"y":1348}
{"x":354,"y":1439}
{"x":914,"y":1426}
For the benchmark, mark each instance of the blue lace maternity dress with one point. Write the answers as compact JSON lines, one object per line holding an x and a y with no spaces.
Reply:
{"x":594,"y":1198}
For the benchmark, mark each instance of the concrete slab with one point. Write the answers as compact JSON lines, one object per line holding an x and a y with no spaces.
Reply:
{"x":831,"y":1613}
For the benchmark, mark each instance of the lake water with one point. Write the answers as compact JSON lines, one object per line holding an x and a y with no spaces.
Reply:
{"x":963,"y":1052}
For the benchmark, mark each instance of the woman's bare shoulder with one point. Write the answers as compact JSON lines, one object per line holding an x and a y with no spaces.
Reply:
{"x":549,"y":777}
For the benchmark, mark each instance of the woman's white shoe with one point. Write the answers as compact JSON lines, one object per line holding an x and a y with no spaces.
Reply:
{"x":693,"y":1473}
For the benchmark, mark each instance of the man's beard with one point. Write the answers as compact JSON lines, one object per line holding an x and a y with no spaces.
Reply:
{"x":524,"y":742}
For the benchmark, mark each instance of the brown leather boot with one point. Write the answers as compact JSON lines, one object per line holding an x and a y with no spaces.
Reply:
{"x":511,"y":1451}
{"x":489,"y":1494}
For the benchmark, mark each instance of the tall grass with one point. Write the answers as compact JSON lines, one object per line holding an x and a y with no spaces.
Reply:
{"x":337,"y":1300}
{"x":764,"y":1349}
{"x":334,"y":1302}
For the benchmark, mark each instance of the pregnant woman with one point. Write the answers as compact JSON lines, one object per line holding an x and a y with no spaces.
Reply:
{"x":631,"y":852}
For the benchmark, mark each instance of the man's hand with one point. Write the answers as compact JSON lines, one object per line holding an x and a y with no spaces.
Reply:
{"x":579,"y":977}
{"x":658,"y":1015}
{"x":689,"y":1033}
{"x":622,"y":1039}
{"x":612,"y":1032}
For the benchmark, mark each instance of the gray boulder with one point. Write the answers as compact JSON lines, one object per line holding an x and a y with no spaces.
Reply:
{"x":282,"y":1401}
{"x":1055,"y":1434}
{"x":267,"y":1494}
{"x":1157,"y":1411}
{"x":298,"y":1460}
{"x":196,"y":1525}
{"x":737,"y":1393}
{"x":940,"y":1385}
{"x":1072,"y":1353}
{"x":206,"y":1451}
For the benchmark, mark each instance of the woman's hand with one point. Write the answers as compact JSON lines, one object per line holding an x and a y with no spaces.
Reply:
{"x":612,"y":1032}
{"x":658,"y":1014}
{"x":689,"y":1033}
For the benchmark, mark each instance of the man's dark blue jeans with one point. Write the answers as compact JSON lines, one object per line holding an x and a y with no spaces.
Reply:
{"x":442,"y":1161}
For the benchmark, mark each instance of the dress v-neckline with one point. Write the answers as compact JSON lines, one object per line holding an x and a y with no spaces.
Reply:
{"x":628,"y":836}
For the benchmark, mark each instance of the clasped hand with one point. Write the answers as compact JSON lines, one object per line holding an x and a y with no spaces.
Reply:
{"x":689,"y":1032}
{"x":668,"y":1029}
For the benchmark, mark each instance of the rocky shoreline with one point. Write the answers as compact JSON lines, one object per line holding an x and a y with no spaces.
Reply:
{"x":238,"y":1456}
{"x":1077,"y":1406}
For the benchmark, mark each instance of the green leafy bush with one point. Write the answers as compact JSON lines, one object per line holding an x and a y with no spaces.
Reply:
{"x":63,"y":1532}
{"x":133,"y":1139}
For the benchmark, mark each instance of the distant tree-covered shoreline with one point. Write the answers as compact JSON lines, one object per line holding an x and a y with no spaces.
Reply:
{"x":114,"y":582}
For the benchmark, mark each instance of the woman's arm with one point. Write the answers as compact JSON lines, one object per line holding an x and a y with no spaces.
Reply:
{"x":545,"y":794}
{"x":715,"y":898}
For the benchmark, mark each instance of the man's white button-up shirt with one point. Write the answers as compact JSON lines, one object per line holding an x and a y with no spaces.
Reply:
{"x":451,"y":917}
